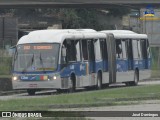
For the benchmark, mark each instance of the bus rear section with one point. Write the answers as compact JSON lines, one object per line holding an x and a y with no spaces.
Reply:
{"x":133,"y":60}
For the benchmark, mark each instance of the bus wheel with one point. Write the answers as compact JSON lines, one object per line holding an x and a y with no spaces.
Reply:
{"x":135,"y":82}
{"x":61,"y":91}
{"x":31,"y":91}
{"x":99,"y":81}
{"x":136,"y":78}
{"x":72,"y":84}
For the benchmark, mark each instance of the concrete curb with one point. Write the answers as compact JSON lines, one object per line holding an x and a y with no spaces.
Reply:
{"x":4,"y":93}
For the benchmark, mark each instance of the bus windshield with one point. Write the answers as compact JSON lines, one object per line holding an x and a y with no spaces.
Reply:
{"x":36,"y":57}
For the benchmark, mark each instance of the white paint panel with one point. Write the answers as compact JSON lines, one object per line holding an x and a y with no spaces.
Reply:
{"x":119,"y":31}
{"x":78,"y":52}
{"x":85,"y":81}
{"x":135,"y":49}
{"x":139,"y":49}
{"x":124,"y":49}
{"x":105,"y":78}
{"x":125,"y":76}
{"x":144,"y":74}
{"x":59,"y":35}
{"x":54,"y":84}
{"x":120,"y":34}
{"x":97,"y":50}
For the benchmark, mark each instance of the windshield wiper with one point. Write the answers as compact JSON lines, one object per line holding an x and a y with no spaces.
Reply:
{"x":40,"y":57}
{"x":28,"y":64}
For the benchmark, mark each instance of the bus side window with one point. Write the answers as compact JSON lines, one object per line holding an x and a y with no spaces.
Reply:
{"x":104,"y":52}
{"x":85,"y":49}
{"x":91,"y":50}
{"x":70,"y":50}
{"x":129,"y":49}
{"x":145,"y":52}
{"x":144,"y":49}
{"x":118,"y":49}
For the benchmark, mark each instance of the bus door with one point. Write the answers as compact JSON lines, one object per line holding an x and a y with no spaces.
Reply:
{"x":111,"y":58}
{"x":122,"y":63}
{"x":91,"y":55}
{"x":145,"y":53}
{"x":138,"y":61}
{"x":88,"y":62}
{"x":85,"y":58}
{"x":129,"y":50}
{"x":98,"y":57}
{"x":104,"y":54}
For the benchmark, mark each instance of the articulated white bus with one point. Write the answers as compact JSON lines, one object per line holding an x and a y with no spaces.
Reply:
{"x":133,"y":58}
{"x":73,"y":58}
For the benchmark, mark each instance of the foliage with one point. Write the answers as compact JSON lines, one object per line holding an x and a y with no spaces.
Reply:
{"x":5,"y":65}
{"x":118,"y":11}
{"x":106,"y":97}
{"x":70,"y":17}
{"x":78,"y":18}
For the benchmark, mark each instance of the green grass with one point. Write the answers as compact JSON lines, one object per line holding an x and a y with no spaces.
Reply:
{"x":114,"y":96}
{"x":5,"y":76}
{"x":5,"y":65}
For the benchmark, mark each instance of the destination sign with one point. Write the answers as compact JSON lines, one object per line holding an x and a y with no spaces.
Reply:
{"x":38,"y":47}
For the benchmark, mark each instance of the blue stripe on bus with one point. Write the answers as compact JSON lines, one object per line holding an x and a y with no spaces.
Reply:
{"x":122,"y":65}
{"x":80,"y":68}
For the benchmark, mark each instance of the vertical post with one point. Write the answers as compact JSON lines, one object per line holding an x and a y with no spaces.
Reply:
{"x":3,"y":32}
{"x":158,"y":59}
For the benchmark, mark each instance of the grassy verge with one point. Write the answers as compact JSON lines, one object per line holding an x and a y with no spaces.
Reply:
{"x":5,"y":76}
{"x":115,"y":96}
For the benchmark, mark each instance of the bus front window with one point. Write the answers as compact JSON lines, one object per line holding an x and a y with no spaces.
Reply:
{"x":36,"y":57}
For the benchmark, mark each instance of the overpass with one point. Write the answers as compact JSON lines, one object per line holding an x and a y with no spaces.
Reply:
{"x":78,"y":3}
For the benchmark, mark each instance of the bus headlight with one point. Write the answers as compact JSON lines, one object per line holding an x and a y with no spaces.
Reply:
{"x":14,"y":78}
{"x":54,"y":77}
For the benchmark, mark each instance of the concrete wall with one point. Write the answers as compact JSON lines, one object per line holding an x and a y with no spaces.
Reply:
{"x":151,"y":27}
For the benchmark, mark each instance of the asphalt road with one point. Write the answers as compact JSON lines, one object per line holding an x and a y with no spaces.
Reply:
{"x":147,"y":105}
{"x":53,"y":92}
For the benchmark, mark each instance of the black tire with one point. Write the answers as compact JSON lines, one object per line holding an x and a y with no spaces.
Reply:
{"x":136,"y":78}
{"x":61,"y":91}
{"x":135,"y":82}
{"x":31,"y":92}
{"x":128,"y":83}
{"x":99,"y":81}
{"x":72,"y":84}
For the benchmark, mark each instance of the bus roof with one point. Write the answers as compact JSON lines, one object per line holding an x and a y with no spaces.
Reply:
{"x":58,"y":35}
{"x":119,"y":31}
{"x":126,"y":34}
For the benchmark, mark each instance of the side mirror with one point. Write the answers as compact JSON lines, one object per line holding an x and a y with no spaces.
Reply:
{"x":63,"y":51}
